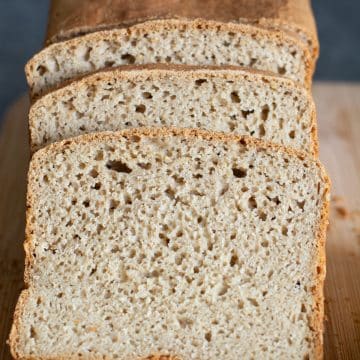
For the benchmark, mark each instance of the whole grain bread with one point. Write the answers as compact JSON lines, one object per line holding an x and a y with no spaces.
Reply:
{"x":70,"y":18}
{"x":164,"y":243}
{"x":227,"y":99}
{"x":175,"y":41}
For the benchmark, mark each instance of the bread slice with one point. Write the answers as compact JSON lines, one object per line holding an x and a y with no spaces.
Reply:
{"x":180,"y":243}
{"x":176,"y":41}
{"x":68,"y":18}
{"x":219,"y":99}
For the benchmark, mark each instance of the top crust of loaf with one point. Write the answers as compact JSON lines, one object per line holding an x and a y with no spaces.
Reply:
{"x":70,"y":18}
{"x":189,"y":134}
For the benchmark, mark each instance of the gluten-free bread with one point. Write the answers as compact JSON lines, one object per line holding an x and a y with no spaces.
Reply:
{"x":277,"y":36}
{"x":227,"y":99}
{"x":181,"y":243}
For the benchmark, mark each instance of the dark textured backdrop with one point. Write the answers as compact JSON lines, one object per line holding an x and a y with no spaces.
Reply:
{"x":23,"y":22}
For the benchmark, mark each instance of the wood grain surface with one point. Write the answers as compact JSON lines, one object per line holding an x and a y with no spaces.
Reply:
{"x":339,"y":130}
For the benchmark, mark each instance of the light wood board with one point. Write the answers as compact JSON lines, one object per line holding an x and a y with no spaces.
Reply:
{"x":339,"y":130}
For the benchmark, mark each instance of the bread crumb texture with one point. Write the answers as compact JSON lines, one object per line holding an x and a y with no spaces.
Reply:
{"x":154,"y":242}
{"x":235,"y":101}
{"x":171,"y":41}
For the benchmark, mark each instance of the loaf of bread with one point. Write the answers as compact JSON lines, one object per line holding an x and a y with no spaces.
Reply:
{"x":276,"y":36}
{"x":221,"y":99}
{"x":70,"y":18}
{"x":157,"y":243}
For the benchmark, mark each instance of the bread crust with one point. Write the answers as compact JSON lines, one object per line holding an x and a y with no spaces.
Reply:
{"x":316,"y":322}
{"x":279,"y":37}
{"x":156,"y":71}
{"x":70,"y":18}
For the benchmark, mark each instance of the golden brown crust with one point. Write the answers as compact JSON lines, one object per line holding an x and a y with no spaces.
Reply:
{"x":141,"y":72}
{"x":316,"y":322}
{"x":280,"y":38}
{"x":70,"y":18}
{"x":14,"y":333}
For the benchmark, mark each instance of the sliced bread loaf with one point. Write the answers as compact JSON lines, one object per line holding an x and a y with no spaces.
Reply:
{"x":176,"y":41}
{"x":220,"y":99}
{"x":177,"y":243}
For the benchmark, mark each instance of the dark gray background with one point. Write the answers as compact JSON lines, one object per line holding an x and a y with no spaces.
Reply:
{"x":23,"y":22}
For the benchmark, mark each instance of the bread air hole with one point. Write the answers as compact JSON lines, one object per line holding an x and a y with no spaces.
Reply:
{"x":94,"y":173}
{"x":147,"y":95}
{"x":232,"y":126}
{"x":185,"y":322}
{"x":128,"y":58}
{"x":97,"y":186}
{"x":145,"y":166}
{"x":164,"y":239}
{"x":224,"y":190}
{"x":41,"y":69}
{"x":99,"y":156}
{"x":235,"y":97}
{"x":104,"y":97}
{"x":262,"y":131}
{"x":253,"y":302}
{"x":301,"y":204}
{"x":109,"y":63}
{"x":113,"y":204}
{"x":253,"y":61}
{"x":234,"y":260}
{"x":170,"y":193}
{"x":265,"y":112}
{"x":199,"y":82}
{"x":33,"y":334}
{"x":240,"y":304}
{"x":140,"y":108}
{"x":99,"y":229}
{"x":282,"y":70}
{"x":87,"y":53}
{"x":179,"y":259}
{"x":246,"y":113}
{"x":118,"y":166}
{"x":262,"y":215}
{"x":284,"y":230}
{"x":292,"y":134}
{"x":208,"y":336}
{"x":178,"y":179}
{"x":252,"y":203}
{"x":223,"y":290}
{"x":239,"y":172}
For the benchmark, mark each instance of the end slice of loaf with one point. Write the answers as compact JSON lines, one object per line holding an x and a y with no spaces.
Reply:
{"x":176,"y":41}
{"x":220,"y":99}
{"x":181,"y":243}
{"x":70,"y":18}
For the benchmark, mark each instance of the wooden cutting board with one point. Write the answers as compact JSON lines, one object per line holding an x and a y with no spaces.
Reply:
{"x":339,"y":130}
